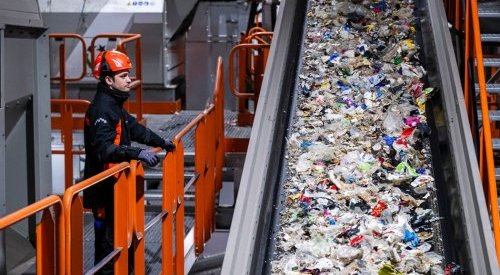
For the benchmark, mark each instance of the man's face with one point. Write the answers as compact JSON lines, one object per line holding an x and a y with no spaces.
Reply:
{"x":120,"y":82}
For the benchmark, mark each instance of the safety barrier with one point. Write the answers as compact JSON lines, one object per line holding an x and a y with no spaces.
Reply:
{"x":473,"y":58}
{"x":73,"y":207}
{"x":62,"y":79}
{"x":129,"y":225}
{"x":66,"y":122}
{"x":66,"y":107}
{"x":252,"y":54}
{"x":49,"y":233}
{"x":208,"y":130}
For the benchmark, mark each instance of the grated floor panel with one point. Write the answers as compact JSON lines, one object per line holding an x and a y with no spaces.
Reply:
{"x":167,"y":126}
{"x":152,"y":242}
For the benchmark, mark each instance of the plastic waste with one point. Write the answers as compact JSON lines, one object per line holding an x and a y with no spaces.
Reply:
{"x":359,"y":175}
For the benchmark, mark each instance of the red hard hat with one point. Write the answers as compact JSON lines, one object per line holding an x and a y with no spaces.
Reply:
{"x":117,"y":61}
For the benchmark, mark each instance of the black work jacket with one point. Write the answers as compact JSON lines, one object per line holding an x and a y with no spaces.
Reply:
{"x":104,"y":145}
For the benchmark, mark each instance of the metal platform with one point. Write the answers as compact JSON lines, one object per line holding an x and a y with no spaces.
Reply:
{"x":167,"y":126}
{"x":152,"y":242}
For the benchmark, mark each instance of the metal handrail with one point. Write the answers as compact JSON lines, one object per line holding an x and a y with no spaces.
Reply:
{"x":72,"y":203}
{"x":259,"y":37}
{"x":136,"y":226}
{"x":219,"y":120}
{"x":44,"y":240}
{"x":66,"y":110}
{"x":486,"y":163}
{"x":255,"y":29}
{"x":62,"y":61}
{"x":473,"y":54}
{"x":209,"y":131}
{"x":232,"y":53}
{"x":126,"y":38}
{"x":138,"y":70}
{"x":129,"y":209}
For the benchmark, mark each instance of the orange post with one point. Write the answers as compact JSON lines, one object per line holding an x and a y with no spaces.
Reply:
{"x":136,"y":197}
{"x":45,"y":239}
{"x":62,"y":65}
{"x":62,"y":61}
{"x":179,"y":204}
{"x":121,"y":217}
{"x":244,"y":52}
{"x":457,"y":15}
{"x":211,"y":182}
{"x":219,"y":110}
{"x":199,"y":196}
{"x":468,"y":48}
{"x":168,"y":192}
{"x":138,"y":69}
{"x":50,"y":258}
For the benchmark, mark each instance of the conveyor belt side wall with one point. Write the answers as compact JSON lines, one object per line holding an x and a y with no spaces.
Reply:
{"x":467,"y":232}
{"x":253,"y":211}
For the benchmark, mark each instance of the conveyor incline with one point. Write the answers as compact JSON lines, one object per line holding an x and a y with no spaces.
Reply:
{"x":466,"y":228}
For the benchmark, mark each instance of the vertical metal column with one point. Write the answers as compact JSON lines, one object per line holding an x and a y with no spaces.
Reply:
{"x":41,"y":119}
{"x":3,"y":266}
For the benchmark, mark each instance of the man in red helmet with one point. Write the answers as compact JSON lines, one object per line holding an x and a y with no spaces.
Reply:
{"x":108,"y":131}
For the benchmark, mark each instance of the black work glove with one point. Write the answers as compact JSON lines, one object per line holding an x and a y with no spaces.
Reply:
{"x":168,"y":146}
{"x":149,"y":158}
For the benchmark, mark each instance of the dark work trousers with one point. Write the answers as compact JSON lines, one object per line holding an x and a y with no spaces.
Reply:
{"x":104,"y":240}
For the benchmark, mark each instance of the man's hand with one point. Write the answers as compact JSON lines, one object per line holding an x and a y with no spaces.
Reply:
{"x":169,"y":146}
{"x":149,"y":158}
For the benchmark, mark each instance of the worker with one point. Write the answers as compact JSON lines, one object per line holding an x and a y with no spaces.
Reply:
{"x":108,"y":131}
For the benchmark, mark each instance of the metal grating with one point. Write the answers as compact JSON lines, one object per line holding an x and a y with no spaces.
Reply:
{"x":167,"y":126}
{"x":152,"y":242}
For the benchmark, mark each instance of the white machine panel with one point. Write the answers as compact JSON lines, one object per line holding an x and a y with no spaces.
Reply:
{"x":111,"y":6}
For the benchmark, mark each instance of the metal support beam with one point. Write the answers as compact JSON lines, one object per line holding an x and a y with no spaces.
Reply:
{"x":42,"y":172}
{"x":3,"y":265}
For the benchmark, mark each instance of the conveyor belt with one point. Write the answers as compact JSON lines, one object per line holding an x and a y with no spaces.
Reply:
{"x":465,"y":226}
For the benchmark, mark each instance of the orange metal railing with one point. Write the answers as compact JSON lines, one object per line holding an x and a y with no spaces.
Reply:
{"x":208,"y":130}
{"x":50,"y":240}
{"x":219,"y":123}
{"x":66,"y":107}
{"x":136,"y":225}
{"x":125,"y":39}
{"x":473,"y":58}
{"x":62,"y":78}
{"x":453,"y":12}
{"x":74,"y":220}
{"x":129,"y":226}
{"x":66,"y":123}
{"x":251,"y":55}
